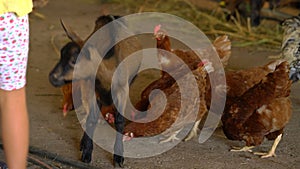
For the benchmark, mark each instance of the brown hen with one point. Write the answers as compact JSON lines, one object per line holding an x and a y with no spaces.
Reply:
{"x":259,"y":107}
{"x":173,"y":114}
{"x":221,"y":44}
{"x":81,"y":93}
{"x":67,"y":103}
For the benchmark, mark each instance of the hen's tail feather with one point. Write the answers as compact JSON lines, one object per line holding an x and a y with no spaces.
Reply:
{"x":248,"y":78}
{"x":223,"y":47}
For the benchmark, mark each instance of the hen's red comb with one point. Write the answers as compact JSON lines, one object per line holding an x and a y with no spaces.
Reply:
{"x":157,"y":28}
{"x":202,"y":63}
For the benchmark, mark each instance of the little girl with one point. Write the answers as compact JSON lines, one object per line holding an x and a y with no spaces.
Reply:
{"x":14,"y":44}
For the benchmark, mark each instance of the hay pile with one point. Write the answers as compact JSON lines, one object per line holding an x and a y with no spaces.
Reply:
{"x":211,"y":22}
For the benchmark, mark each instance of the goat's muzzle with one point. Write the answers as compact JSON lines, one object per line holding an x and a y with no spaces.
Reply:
{"x":56,"y":80}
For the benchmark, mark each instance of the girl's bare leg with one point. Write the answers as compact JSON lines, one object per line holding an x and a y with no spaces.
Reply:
{"x":15,"y":127}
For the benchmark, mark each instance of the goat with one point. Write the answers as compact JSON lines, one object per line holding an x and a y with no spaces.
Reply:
{"x":62,"y":73}
{"x":255,"y":5}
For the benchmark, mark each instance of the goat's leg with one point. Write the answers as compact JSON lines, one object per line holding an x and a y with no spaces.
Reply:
{"x":86,"y":145}
{"x":85,"y":93}
{"x":256,"y":6}
{"x":118,"y":147}
{"x":122,"y":95}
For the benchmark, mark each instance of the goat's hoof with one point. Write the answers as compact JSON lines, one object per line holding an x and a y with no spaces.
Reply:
{"x":87,"y":150}
{"x":86,"y":146}
{"x":118,"y":161}
{"x":86,"y":158}
{"x":86,"y":155}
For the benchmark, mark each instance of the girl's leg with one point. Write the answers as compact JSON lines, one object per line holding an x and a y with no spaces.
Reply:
{"x":15,"y":127}
{"x":14,"y":39}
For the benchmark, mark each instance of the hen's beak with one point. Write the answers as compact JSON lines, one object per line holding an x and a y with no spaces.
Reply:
{"x":207,"y":65}
{"x":156,"y":36}
{"x":160,"y":35}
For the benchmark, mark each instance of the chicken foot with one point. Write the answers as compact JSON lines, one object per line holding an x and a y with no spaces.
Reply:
{"x":244,"y":149}
{"x":193,"y":132}
{"x":171,"y":138}
{"x":271,"y":153}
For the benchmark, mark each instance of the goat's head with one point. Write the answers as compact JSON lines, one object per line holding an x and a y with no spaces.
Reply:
{"x":62,"y":73}
{"x":84,"y":61}
{"x":88,"y":61}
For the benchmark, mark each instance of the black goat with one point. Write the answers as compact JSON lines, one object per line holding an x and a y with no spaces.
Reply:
{"x":87,"y":64}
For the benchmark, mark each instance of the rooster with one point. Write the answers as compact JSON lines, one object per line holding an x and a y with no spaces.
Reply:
{"x":260,"y":107}
{"x":173,"y":115}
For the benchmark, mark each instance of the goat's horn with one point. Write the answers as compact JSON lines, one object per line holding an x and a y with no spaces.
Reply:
{"x":71,"y":34}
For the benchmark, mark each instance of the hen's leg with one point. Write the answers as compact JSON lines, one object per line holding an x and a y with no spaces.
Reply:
{"x":271,"y":153}
{"x":86,"y":145}
{"x":171,"y":138}
{"x":193,"y":132}
{"x":238,"y":149}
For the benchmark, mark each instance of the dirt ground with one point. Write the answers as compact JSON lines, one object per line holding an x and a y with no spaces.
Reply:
{"x":61,"y":135}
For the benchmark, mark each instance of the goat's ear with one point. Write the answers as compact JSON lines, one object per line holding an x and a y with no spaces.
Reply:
{"x":86,"y":53}
{"x":71,"y":34}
